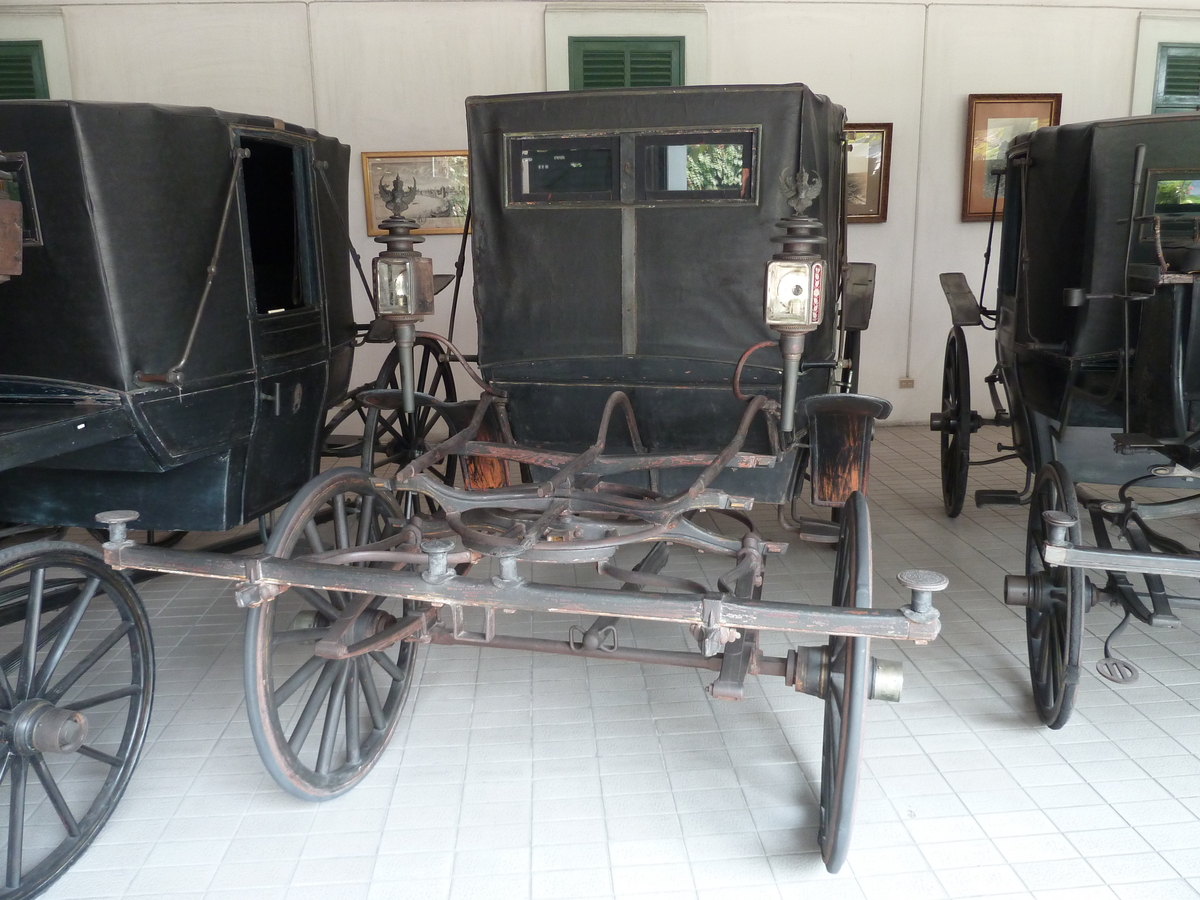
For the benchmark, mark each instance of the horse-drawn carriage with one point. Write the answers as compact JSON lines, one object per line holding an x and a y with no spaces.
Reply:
{"x":620,"y":244}
{"x":1097,"y":355}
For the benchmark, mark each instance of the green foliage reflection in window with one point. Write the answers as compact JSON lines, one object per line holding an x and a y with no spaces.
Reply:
{"x":617,"y":62}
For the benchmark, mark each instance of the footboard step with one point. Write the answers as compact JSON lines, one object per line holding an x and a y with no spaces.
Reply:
{"x":816,"y":530}
{"x":1119,"y":670}
{"x":987,"y":498}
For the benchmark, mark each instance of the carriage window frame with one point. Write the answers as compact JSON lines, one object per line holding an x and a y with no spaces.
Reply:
{"x":304,"y":209}
{"x":514,"y":179}
{"x":17,"y":163}
{"x":1170,"y":230}
{"x":646,"y":142}
{"x":629,"y":147}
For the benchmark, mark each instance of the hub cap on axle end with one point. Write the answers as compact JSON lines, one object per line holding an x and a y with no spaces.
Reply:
{"x":37,"y":726}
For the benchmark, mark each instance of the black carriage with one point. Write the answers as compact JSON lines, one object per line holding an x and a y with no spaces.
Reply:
{"x":636,"y":379}
{"x":174,"y":323}
{"x":1098,"y":364}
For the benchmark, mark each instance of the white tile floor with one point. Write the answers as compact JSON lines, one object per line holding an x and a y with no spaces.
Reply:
{"x":523,"y":776}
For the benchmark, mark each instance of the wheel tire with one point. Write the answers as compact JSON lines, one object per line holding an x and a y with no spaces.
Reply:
{"x":90,"y":650}
{"x":359,"y":699}
{"x":846,"y":695}
{"x":956,"y":422}
{"x":1053,"y":623}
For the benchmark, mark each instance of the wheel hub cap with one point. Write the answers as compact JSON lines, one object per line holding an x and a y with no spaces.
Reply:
{"x":41,"y":727}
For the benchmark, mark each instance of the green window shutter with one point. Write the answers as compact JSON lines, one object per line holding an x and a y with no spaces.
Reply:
{"x":1177,"y":81}
{"x":609,"y":62}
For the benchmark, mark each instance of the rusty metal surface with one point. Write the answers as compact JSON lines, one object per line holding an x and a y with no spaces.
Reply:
{"x":713,"y":610}
{"x":10,"y":237}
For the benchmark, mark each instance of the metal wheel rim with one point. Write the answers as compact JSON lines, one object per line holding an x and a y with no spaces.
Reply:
{"x":72,"y":669}
{"x":846,"y":695}
{"x":344,"y":751}
{"x":956,"y":422}
{"x":1054,"y":635}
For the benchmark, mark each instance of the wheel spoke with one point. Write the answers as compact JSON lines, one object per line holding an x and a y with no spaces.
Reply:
{"x":74,"y":617}
{"x":371,"y":694}
{"x":297,"y":680}
{"x":340,"y":529}
{"x":333,"y":715}
{"x":16,"y":821}
{"x":365,"y":520}
{"x":100,"y":756}
{"x":68,"y":680}
{"x":56,"y":798}
{"x":33,"y":624}
{"x":297,"y":636}
{"x":132,"y":690}
{"x":309,"y":714}
{"x":353,"y":730}
{"x":316,"y":601}
{"x":315,"y":544}
{"x":387,"y":665}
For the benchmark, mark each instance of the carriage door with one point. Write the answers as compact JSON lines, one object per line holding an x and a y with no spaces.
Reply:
{"x":290,"y":344}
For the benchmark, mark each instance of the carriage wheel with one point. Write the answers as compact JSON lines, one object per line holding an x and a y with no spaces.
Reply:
{"x":434,"y":376}
{"x":955,"y":422}
{"x":1054,"y":615}
{"x":846,"y":691}
{"x":354,"y":703}
{"x":76,"y":683}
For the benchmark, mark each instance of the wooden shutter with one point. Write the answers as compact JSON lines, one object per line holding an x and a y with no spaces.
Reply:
{"x":1177,"y":84}
{"x":606,"y":62}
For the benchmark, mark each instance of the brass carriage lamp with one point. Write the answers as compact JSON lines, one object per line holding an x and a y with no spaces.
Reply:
{"x":403,"y":292}
{"x":795,"y":298}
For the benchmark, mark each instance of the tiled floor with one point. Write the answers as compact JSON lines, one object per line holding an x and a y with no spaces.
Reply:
{"x":523,"y":776}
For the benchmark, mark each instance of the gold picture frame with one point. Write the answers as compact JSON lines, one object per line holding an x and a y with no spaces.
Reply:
{"x":429,"y":186}
{"x":993,"y":120}
{"x":868,"y":171}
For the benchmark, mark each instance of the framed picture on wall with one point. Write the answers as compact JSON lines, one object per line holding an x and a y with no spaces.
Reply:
{"x":868,"y":164}
{"x":993,"y":120}
{"x":427,"y":186}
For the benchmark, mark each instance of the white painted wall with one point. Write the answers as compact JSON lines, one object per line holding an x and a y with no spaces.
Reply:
{"x":392,"y":75}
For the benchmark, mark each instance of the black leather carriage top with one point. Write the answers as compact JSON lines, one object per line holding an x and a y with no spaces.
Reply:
{"x":620,"y":240}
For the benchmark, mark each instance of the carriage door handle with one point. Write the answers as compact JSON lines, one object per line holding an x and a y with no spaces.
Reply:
{"x":275,"y":399}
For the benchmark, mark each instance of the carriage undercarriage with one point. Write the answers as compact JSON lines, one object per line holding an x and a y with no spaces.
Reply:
{"x":368,"y":586}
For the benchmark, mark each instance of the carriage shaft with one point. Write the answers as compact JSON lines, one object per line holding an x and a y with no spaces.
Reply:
{"x":262,"y":577}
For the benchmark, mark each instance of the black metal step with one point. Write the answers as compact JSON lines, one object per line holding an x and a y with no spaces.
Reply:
{"x":988,"y":498}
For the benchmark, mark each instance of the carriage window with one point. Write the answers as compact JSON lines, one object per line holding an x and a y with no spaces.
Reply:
{"x":277,"y":225}
{"x":18,"y":185}
{"x":714,"y":166}
{"x":563,"y":169}
{"x":1176,"y":199}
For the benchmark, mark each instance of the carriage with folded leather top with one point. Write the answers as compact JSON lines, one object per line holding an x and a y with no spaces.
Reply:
{"x":175,"y":320}
{"x":668,"y":334}
{"x":1099,"y":367}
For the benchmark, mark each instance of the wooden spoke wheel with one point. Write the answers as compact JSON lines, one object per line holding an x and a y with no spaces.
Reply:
{"x":848,"y":660}
{"x":955,"y":422}
{"x":321,"y":724}
{"x":75,"y":691}
{"x":1054,"y":614}
{"x":433,"y":376}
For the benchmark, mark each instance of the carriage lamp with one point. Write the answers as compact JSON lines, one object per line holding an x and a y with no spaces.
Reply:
{"x":794,"y":299}
{"x":403,"y":293}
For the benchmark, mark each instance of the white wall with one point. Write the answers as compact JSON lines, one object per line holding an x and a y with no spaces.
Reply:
{"x":393,"y":76}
